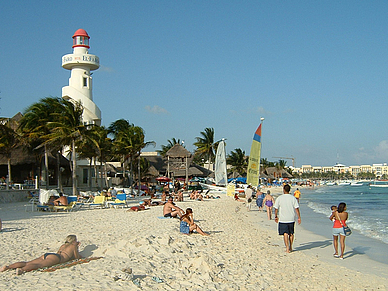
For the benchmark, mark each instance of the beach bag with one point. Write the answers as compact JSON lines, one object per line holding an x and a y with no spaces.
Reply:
{"x":347,"y":230}
{"x":249,"y":200}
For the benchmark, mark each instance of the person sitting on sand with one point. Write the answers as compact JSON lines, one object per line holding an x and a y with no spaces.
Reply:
{"x":61,"y":201}
{"x":187,"y":224}
{"x":198,"y":196}
{"x":164,"y":195}
{"x":192,"y":194}
{"x":171,"y":210}
{"x":236,"y":198}
{"x":67,"y":252}
{"x":180,"y":195}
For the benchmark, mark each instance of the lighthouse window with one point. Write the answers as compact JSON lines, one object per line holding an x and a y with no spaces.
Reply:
{"x":85,"y":82}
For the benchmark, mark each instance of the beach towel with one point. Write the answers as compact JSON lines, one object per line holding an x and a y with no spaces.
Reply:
{"x":162,"y":217}
{"x":69,"y":264}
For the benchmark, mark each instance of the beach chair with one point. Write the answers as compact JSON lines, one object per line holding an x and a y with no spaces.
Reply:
{"x":99,"y":201}
{"x":66,"y":208}
{"x":121,"y":201}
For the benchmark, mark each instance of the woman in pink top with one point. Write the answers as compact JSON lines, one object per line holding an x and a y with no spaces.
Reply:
{"x":340,"y":216}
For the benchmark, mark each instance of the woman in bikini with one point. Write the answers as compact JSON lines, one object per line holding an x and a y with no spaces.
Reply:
{"x":187,"y":223}
{"x":67,"y":252}
{"x":269,"y":202}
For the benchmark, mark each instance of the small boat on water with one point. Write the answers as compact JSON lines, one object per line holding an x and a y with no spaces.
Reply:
{"x":379,"y":184}
{"x":331,"y":183}
{"x":356,"y":184}
{"x":344,"y":184}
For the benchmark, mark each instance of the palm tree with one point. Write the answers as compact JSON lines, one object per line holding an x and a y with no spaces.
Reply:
{"x":34,"y":127}
{"x":9,"y":139}
{"x":114,"y":129}
{"x":237,"y":160}
{"x":128,"y":141}
{"x":166,"y":148}
{"x":280,"y":165}
{"x":67,"y":129}
{"x":205,"y":145}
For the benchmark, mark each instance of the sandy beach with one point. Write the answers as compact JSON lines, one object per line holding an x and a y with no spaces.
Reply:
{"x":243,"y":252}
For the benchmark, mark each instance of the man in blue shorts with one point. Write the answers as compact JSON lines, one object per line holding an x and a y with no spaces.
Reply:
{"x":286,"y":205}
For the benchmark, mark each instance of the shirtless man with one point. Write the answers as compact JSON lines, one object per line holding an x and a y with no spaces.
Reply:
{"x":67,"y":252}
{"x":61,"y":201}
{"x":171,"y":210}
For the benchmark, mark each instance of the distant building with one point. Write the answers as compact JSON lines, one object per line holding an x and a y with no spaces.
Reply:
{"x":378,"y":169}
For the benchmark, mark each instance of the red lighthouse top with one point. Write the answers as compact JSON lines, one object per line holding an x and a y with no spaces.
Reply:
{"x":81,"y":38}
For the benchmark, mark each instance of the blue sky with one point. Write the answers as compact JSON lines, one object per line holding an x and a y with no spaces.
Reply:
{"x":315,"y":70}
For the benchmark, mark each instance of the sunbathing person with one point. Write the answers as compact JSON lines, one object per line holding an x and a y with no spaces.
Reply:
{"x":171,"y":210}
{"x":187,"y":224}
{"x":67,"y":252}
{"x":137,"y":208}
{"x":61,"y":201}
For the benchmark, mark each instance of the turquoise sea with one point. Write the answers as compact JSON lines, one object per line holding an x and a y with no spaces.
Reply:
{"x":368,"y":216}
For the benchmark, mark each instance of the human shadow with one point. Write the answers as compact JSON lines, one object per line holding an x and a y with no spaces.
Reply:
{"x":313,"y":245}
{"x":11,"y":229}
{"x":356,"y":251}
{"x":88,"y":250}
{"x":214,"y":231}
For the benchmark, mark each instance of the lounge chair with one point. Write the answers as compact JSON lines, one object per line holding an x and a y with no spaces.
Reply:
{"x":121,"y":201}
{"x":99,"y":201}
{"x":67,"y":208}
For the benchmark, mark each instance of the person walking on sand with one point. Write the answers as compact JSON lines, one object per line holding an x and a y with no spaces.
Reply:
{"x":340,"y":216}
{"x":259,"y":199}
{"x":187,"y":224}
{"x":297,"y":194}
{"x":269,"y":202}
{"x":248,"y":197}
{"x":67,"y":252}
{"x":286,"y":206}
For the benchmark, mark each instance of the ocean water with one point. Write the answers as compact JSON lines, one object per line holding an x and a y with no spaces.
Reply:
{"x":368,"y":216}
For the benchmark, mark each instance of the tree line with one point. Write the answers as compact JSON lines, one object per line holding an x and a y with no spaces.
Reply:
{"x":54,"y":125}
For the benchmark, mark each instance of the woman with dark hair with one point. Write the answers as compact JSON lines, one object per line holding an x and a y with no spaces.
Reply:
{"x":340,"y":217}
{"x":187,"y":224}
{"x":67,"y":252}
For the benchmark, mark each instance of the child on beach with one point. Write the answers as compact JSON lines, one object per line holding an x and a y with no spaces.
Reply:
{"x":333,"y":212}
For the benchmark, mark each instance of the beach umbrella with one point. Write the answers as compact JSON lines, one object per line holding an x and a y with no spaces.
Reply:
{"x":163,"y":179}
{"x":143,"y":187}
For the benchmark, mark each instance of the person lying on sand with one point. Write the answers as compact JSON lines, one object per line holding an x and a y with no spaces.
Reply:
{"x":137,"y":208}
{"x":187,"y":224}
{"x":171,"y":210}
{"x":67,"y":252}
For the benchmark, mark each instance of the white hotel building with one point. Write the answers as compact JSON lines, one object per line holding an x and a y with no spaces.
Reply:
{"x":378,"y":169}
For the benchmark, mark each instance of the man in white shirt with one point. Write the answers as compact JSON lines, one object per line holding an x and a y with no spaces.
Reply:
{"x":248,"y":197}
{"x":287,"y":205}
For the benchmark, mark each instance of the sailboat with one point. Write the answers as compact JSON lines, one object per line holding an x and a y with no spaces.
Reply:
{"x":220,"y":175}
{"x":253,"y":172}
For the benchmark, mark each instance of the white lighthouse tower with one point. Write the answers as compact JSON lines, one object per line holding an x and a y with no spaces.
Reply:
{"x":80,"y":62}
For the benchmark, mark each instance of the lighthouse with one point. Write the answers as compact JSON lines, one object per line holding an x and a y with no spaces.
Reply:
{"x":81,"y":63}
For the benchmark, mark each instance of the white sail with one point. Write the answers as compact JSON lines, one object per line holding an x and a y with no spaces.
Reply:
{"x":220,"y":172}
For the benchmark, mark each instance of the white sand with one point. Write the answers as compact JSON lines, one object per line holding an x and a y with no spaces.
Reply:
{"x":243,"y":252}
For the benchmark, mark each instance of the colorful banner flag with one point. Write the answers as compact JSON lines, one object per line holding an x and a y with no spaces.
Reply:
{"x":253,"y":172}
